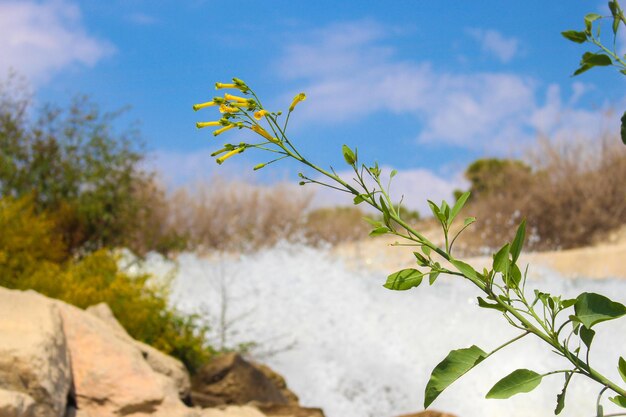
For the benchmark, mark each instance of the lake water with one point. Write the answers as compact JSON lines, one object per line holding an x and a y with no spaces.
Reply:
{"x":348,"y":345}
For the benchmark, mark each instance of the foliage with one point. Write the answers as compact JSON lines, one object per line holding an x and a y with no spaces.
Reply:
{"x":32,"y":256}
{"x":334,"y":225}
{"x":488,"y":176}
{"x":561,"y":173}
{"x":77,"y":166}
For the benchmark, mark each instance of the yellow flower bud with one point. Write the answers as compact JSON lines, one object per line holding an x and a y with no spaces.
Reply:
{"x":197,"y":107}
{"x":200,"y":125}
{"x":221,"y":159}
{"x":258,"y":129}
{"x":259,"y":166}
{"x":259,"y":115}
{"x":297,"y":99}
{"x":223,"y":85}
{"x":224,"y":129}
{"x":235,"y":98}
{"x":228,"y":109}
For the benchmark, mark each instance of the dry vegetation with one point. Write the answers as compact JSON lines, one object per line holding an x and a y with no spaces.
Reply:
{"x":573,"y":195}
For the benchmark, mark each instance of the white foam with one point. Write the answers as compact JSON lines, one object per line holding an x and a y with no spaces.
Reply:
{"x":362,"y":350}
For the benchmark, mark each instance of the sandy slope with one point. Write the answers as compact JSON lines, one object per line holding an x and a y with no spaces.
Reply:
{"x":600,"y":261}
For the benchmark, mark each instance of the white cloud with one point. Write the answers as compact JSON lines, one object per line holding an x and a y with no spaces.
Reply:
{"x":40,"y":39}
{"x":350,"y":71}
{"x":493,"y":42}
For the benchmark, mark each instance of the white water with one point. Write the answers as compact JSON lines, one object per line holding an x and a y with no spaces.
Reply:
{"x":361,"y":350}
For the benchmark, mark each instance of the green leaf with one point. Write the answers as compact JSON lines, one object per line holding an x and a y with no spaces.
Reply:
{"x":575,"y":36}
{"x":621,"y":367}
{"x":589,"y":19}
{"x":436,"y":212}
{"x":373,"y":222}
{"x":393,"y":173}
{"x":586,"y":335}
{"x":514,"y":277}
{"x":465,"y":269}
{"x":596,"y":60}
{"x":385,"y":210}
{"x":426,"y":250}
{"x":404,"y":279}
{"x":619,"y":400}
{"x":471,"y":220}
{"x":623,"y":128}
{"x":583,"y":68}
{"x":360,"y":198}
{"x":455,"y":365}
{"x":348,"y":155}
{"x":560,"y":399}
{"x":379,"y":231}
{"x":432,"y":277}
{"x":501,"y":260}
{"x":592,"y":308}
{"x":421,"y":260}
{"x":519,"y":381}
{"x":518,"y":241}
{"x":458,"y":206}
{"x":484,"y":304}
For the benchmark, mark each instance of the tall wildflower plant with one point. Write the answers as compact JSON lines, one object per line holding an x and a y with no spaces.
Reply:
{"x":565,"y":325}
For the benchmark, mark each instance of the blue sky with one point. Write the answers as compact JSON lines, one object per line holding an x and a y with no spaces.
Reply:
{"x":422,"y":86}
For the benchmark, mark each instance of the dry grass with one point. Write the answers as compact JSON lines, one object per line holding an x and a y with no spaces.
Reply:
{"x":575,"y":195}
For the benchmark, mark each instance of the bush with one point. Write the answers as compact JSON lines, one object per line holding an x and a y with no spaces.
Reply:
{"x":76,"y":166}
{"x":32,"y":256}
{"x":335,"y":225}
{"x":569,"y":198}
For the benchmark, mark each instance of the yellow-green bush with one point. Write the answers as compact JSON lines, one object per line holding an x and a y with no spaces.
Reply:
{"x":33,"y":256}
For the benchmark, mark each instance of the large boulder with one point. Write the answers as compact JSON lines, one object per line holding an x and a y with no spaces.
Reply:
{"x":230,"y":379}
{"x":288,"y":410}
{"x":110,"y":374}
{"x":158,"y":361}
{"x":34,"y":357}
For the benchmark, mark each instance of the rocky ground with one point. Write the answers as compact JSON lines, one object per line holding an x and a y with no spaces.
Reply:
{"x":60,"y":361}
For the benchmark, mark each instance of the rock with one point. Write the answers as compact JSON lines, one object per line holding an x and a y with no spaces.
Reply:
{"x":229,"y":379}
{"x":428,"y":413}
{"x":158,"y":361}
{"x":111,"y":376}
{"x":288,"y":410}
{"x":34,"y":357}
{"x":16,"y":404}
{"x":279,"y":382}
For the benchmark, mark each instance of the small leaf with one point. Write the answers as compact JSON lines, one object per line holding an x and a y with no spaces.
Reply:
{"x":484,"y":304}
{"x":432,"y":277}
{"x":455,"y":365}
{"x":373,"y":222}
{"x":426,"y":250}
{"x":568,"y":303}
{"x":621,"y":367}
{"x":393,"y":173}
{"x":379,"y":231}
{"x":385,"y":210}
{"x":437,"y":212}
{"x":518,"y":241}
{"x":348,"y":155}
{"x":465,"y":269}
{"x":519,"y":381}
{"x":591,"y":308}
{"x":575,"y":36}
{"x":514,"y":277}
{"x":560,"y":399}
{"x":421,"y":260}
{"x":583,"y":68}
{"x":360,"y":198}
{"x":471,"y":220}
{"x":501,"y":260}
{"x":619,"y":400}
{"x":596,"y":60}
{"x":589,"y":19}
{"x":458,"y":206}
{"x":404,"y":279}
{"x":586,"y":335}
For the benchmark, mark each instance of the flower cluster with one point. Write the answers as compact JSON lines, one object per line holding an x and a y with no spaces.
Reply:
{"x":246,"y":113}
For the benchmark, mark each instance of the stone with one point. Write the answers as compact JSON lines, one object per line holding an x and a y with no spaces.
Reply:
{"x":230,"y":379}
{"x":111,"y":376}
{"x":34,"y":356}
{"x":16,"y":404}
{"x":158,"y":361}
{"x":231,"y":411}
